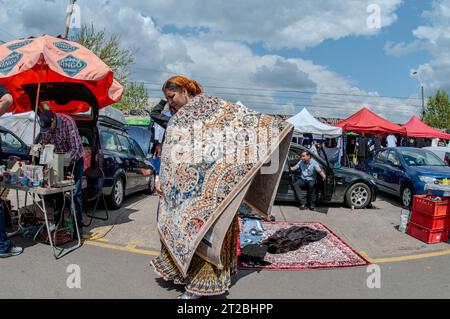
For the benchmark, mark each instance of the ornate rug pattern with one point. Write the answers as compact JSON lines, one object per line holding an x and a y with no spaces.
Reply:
{"x":212,"y":158}
{"x":330,"y":252}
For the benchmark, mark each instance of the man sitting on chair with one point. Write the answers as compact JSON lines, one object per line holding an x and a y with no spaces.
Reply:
{"x":308,"y":168}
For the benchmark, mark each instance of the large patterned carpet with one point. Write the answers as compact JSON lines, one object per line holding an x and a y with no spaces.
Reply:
{"x":330,"y":252}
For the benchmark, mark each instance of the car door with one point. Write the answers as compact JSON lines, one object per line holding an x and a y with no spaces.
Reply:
{"x":377,"y":167}
{"x":329,"y":185}
{"x":129,"y":161}
{"x":142,"y":171}
{"x":112,"y":158}
{"x":12,"y":146}
{"x":395,"y":172}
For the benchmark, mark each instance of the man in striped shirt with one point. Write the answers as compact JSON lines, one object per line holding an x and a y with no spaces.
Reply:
{"x":61,"y":131}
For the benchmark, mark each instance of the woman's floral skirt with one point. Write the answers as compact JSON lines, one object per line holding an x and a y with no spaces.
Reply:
{"x":203,"y":278}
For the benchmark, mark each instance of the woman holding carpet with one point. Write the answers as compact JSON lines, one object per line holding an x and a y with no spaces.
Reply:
{"x":211,"y":161}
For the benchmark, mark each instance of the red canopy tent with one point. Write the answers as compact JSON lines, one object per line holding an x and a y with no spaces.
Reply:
{"x":416,"y":128}
{"x":365,"y":121}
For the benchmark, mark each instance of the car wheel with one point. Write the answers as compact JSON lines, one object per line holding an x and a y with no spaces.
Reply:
{"x":407,"y":196}
{"x":151,"y":186}
{"x":358,"y":196}
{"x":115,"y":200}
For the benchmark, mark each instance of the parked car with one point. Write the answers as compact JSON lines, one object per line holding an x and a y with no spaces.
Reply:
{"x":343,"y":185}
{"x":12,"y":145}
{"x":404,"y":171}
{"x":442,"y":152}
{"x":123,"y":163}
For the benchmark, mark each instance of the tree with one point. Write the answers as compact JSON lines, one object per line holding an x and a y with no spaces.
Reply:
{"x":119,"y":60}
{"x":136,"y":97}
{"x":109,"y":50}
{"x":437,"y":113}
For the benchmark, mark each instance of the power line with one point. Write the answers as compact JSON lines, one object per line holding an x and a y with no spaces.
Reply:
{"x":293,"y":99}
{"x":295,"y":91}
{"x":271,"y":89}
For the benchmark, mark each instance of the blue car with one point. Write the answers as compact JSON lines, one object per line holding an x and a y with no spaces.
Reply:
{"x":404,"y":171}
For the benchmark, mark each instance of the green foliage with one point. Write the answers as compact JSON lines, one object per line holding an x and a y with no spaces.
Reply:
{"x":437,"y":113}
{"x":119,"y":60}
{"x":135,"y":97}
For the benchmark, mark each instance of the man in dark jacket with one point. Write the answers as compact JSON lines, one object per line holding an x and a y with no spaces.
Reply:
{"x":158,"y":116}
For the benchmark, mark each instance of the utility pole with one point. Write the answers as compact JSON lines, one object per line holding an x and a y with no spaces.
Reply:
{"x":416,"y":73}
{"x":423,"y":103}
{"x":68,"y":17}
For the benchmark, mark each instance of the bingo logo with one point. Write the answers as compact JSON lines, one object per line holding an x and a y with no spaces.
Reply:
{"x":8,"y":63}
{"x":71,"y":65}
{"x":66,"y":47}
{"x":19,"y":45}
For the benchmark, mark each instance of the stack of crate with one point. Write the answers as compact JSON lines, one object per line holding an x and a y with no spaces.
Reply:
{"x":430,"y":219}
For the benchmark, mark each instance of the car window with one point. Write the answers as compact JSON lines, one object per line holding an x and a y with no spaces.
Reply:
{"x":380,"y":157}
{"x":141,"y":136}
{"x":294,"y":157}
{"x":137,"y":149}
{"x":108,"y":141}
{"x":418,"y":157}
{"x":9,"y":141}
{"x":447,"y":158}
{"x":127,"y":148}
{"x":393,"y":159}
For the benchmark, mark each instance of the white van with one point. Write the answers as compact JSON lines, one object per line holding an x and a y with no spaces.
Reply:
{"x":442,"y":152}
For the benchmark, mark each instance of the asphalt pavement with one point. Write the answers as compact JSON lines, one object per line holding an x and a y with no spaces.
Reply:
{"x":114,"y":260}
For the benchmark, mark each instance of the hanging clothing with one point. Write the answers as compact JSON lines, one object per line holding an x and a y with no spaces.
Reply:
{"x":291,"y":239}
{"x":282,"y":242}
{"x":362,"y":144}
{"x":420,"y":142}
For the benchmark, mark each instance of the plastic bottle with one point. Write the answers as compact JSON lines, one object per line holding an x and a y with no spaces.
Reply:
{"x":69,"y":223}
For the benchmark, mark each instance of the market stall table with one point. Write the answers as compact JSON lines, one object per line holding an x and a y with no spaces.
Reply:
{"x":41,"y":192}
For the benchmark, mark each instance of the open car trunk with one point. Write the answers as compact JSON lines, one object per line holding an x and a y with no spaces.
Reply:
{"x":70,"y":99}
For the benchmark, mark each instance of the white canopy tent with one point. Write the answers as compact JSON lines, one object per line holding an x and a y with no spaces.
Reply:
{"x":304,"y":122}
{"x":20,"y":124}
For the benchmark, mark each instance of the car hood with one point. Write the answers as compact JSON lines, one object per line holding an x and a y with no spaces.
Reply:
{"x":436,"y":171}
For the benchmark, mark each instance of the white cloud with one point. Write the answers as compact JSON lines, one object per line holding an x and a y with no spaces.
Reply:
{"x":211,"y":44}
{"x":434,"y":37}
{"x":402,"y":48}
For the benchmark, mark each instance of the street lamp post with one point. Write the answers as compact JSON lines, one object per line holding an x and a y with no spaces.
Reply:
{"x":416,"y":73}
{"x":68,"y":18}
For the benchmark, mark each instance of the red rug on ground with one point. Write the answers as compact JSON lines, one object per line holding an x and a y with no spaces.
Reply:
{"x":330,"y":252}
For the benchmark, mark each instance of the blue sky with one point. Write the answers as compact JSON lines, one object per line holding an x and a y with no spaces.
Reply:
{"x":362,"y":59}
{"x":318,"y":47}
